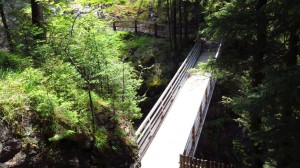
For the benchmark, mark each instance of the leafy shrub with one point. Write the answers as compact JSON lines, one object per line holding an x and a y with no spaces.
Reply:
{"x":13,"y":61}
{"x":100,"y":138}
{"x":28,"y":92}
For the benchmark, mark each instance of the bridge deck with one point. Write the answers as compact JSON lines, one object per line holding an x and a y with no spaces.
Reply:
{"x":172,"y":136}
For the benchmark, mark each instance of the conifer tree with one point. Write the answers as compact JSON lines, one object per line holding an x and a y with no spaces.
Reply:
{"x":261,"y":57}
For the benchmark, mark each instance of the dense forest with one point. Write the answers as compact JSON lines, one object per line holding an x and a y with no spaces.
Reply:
{"x":259,"y":77}
{"x":73,"y":90}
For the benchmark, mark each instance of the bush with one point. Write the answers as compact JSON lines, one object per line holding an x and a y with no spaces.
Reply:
{"x":13,"y":61}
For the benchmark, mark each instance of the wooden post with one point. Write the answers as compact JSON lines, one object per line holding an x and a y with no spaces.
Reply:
{"x":183,"y":161}
{"x":135,"y":26}
{"x":180,"y":161}
{"x":155,"y":30}
{"x":194,"y":162}
{"x":114,"y":26}
{"x":186,"y":160}
{"x":190,"y":161}
{"x":198,"y":163}
{"x":205,"y":164}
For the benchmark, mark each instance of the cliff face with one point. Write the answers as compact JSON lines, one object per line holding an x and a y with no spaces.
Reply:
{"x":33,"y":150}
{"x":12,"y":152}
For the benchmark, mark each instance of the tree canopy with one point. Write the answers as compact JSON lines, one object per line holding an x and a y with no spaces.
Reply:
{"x":260,"y":60}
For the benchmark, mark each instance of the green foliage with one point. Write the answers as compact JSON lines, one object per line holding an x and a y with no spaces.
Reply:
{"x":78,"y":82}
{"x":80,"y":89}
{"x":241,"y":149}
{"x":97,"y":59}
{"x":24,"y":92}
{"x":101,"y":138}
{"x":13,"y":61}
{"x":259,"y":68}
{"x":13,"y":100}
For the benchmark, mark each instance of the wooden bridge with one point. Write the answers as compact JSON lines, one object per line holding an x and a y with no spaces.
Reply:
{"x":174,"y":124}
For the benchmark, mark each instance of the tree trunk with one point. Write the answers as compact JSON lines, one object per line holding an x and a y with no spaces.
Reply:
{"x":255,"y":128}
{"x":185,"y":20}
{"x":169,"y":23}
{"x":174,"y":24}
{"x":196,"y":10}
{"x":180,"y":25}
{"x":37,"y":18}
{"x":258,"y":77}
{"x":6,"y":29}
{"x":261,"y":31}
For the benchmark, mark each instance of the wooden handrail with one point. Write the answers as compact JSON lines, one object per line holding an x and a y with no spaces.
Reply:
{"x":153,"y":120}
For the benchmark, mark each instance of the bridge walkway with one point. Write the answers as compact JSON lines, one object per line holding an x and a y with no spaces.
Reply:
{"x":172,"y":137}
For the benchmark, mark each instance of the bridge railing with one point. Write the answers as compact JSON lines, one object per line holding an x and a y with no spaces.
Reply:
{"x":195,"y":133}
{"x":154,"y":119}
{"x":192,"y":162}
{"x":153,"y":28}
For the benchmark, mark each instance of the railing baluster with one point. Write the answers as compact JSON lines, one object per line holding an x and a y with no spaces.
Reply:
{"x":198,"y":163}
